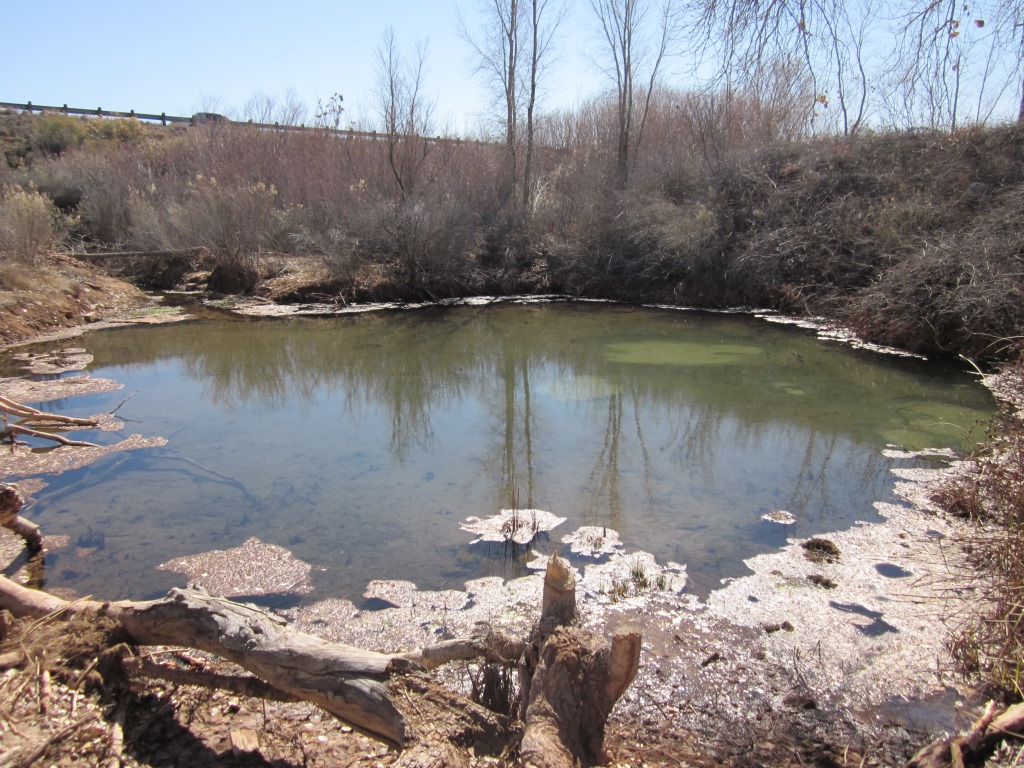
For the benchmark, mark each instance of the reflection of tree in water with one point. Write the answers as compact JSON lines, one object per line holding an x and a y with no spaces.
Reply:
{"x":408,"y":371}
{"x":512,"y":458}
{"x":604,"y":492}
{"x":812,"y":490}
{"x":409,"y":365}
{"x":693,"y":438}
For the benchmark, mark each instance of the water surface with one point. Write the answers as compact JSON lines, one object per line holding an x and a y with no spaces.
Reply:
{"x":360,"y":442}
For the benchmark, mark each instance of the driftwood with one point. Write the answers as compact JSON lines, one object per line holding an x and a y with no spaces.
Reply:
{"x":30,"y":415}
{"x":11,"y":430}
{"x":570,"y":679}
{"x":965,"y":748}
{"x":33,"y":415}
{"x":11,"y":502}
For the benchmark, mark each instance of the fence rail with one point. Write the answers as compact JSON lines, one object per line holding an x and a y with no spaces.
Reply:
{"x":206,"y":117}
{"x":163,"y":118}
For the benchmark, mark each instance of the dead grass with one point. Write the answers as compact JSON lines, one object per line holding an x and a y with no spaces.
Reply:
{"x":992,"y":493}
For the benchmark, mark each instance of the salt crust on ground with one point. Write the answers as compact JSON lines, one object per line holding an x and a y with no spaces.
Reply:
{"x":879,"y":634}
{"x":520,"y":526}
{"x":254,"y":568}
{"x":23,"y":461}
{"x":593,"y":541}
{"x":25,"y":391}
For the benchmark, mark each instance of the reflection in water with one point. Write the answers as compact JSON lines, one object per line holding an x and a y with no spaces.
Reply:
{"x":360,"y":442}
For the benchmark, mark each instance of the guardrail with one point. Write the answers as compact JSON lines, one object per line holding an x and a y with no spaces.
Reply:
{"x":210,"y":118}
{"x":163,"y":118}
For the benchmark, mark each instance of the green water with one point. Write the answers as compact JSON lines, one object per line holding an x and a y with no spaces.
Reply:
{"x":360,"y":442}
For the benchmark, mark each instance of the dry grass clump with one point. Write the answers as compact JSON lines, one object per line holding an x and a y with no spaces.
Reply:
{"x":993,"y":644}
{"x":55,"y":667}
{"x":28,"y":225}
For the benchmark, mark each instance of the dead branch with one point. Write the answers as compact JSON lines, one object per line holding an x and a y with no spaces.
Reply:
{"x":494,"y":647}
{"x":573,"y":678}
{"x":33,"y":415}
{"x":964,"y":748}
{"x":11,"y":430}
{"x":243,"y":686}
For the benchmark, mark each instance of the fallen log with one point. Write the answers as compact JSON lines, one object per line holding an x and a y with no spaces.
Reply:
{"x":569,"y":688}
{"x":965,"y":748}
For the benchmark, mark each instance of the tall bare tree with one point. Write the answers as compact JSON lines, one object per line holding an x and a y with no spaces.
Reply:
{"x":545,"y":18}
{"x":512,"y":49}
{"x":405,"y":113}
{"x":634,"y":53}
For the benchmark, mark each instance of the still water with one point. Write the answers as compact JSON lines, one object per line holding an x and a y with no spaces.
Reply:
{"x":360,"y":442}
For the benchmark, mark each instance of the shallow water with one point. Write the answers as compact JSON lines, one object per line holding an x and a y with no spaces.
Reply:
{"x":360,"y":442}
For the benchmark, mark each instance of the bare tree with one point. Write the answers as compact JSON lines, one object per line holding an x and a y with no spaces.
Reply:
{"x":268,"y":109}
{"x":404,"y":111}
{"x":511,"y":50}
{"x":499,"y":53}
{"x":635,"y":55}
{"x":958,"y":62}
{"x":545,"y":18}
{"x":829,"y":37}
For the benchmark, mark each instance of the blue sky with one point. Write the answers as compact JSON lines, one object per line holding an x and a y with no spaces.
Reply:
{"x":182,"y":56}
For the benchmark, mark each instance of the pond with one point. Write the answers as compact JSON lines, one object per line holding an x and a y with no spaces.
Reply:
{"x":361,"y":442}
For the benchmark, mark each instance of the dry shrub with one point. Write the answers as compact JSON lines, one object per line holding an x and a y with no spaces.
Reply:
{"x":233,"y":222}
{"x":427,"y":247}
{"x":944,"y":300}
{"x":56,"y":133}
{"x":28,"y":225}
{"x":962,"y":293}
{"x":993,"y":644}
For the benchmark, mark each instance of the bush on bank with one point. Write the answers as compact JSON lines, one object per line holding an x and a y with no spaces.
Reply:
{"x":910,"y":238}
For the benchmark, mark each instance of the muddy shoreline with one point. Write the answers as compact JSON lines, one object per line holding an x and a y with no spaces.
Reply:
{"x":852,"y":652}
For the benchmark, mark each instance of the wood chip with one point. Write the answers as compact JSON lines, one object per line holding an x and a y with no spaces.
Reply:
{"x":244,"y":741}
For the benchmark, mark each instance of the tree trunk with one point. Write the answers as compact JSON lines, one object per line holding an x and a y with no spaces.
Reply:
{"x":573,"y":682}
